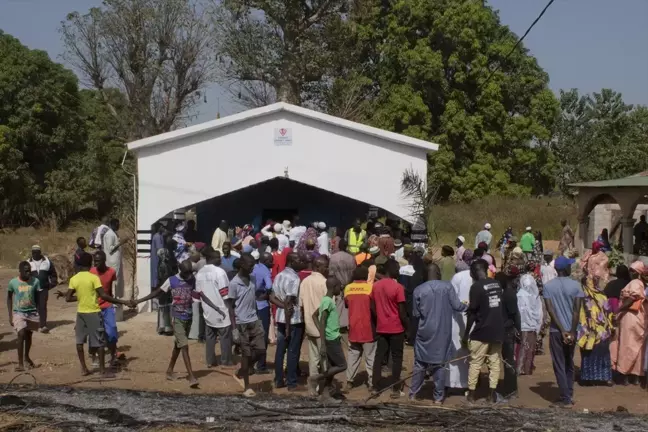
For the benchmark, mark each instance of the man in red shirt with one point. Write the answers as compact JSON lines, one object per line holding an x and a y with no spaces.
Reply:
{"x":362,"y":325}
{"x":107,"y":276}
{"x":388,"y":297}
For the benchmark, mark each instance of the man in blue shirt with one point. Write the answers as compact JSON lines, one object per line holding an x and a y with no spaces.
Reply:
{"x":563,"y":298}
{"x":263,"y":281}
{"x":227,"y":257}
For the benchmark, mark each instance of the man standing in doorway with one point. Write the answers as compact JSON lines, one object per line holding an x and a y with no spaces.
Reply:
{"x":43,"y":270}
{"x":290,"y":326}
{"x":389,"y":300}
{"x":486,"y":338}
{"x":323,"y":243}
{"x":220,"y":236}
{"x":355,"y":237}
{"x":227,"y":257}
{"x":563,"y":299}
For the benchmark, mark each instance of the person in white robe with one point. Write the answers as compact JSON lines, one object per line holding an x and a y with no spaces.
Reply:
{"x":220,"y":237}
{"x":323,"y":243}
{"x":112,"y":246}
{"x":458,"y":376}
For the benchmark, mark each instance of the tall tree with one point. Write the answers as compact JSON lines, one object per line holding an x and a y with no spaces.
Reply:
{"x":159,"y":53}
{"x":40,"y":124}
{"x":599,"y":137}
{"x":275,"y":49}
{"x":443,"y":73}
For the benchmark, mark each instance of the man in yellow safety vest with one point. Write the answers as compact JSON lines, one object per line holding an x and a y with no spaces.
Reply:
{"x":355,"y":236}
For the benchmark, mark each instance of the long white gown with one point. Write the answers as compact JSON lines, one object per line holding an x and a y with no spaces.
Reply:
{"x":458,"y":376}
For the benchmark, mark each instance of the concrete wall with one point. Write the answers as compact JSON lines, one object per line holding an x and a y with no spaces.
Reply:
{"x":605,"y":215}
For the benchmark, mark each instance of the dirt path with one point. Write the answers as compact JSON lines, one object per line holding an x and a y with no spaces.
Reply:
{"x":148,"y":355}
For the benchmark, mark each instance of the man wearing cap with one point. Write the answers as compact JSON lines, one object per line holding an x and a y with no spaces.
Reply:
{"x":484,"y":236}
{"x":460,"y":248}
{"x":563,"y":298}
{"x":323,"y":243}
{"x":43,"y":270}
{"x":527,"y":242}
{"x":547,"y":271}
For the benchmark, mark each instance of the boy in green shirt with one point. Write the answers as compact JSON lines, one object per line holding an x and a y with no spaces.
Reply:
{"x":23,"y":315}
{"x":328,"y":324}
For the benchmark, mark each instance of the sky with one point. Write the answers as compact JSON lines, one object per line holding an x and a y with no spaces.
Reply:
{"x":584,"y":44}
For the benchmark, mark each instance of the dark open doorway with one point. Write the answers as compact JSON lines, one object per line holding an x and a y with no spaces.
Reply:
{"x":279,"y":215}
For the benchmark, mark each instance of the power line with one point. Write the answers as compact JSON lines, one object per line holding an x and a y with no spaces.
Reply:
{"x":517,"y":44}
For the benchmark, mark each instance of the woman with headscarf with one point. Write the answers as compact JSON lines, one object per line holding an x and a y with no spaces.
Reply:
{"x":595,"y":263}
{"x":245,"y":234}
{"x":167,"y":267}
{"x":613,"y":289}
{"x":604,"y":239}
{"x":594,"y":333}
{"x":628,"y":354}
{"x":531,"y":317}
{"x":310,"y":234}
{"x":182,"y":249}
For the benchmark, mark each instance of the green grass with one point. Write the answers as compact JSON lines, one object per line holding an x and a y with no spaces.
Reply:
{"x":544,"y":214}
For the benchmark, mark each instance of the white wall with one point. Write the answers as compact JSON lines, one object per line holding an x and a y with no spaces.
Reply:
{"x":179,"y":174}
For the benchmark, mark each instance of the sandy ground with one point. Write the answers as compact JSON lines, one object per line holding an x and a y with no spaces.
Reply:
{"x":148,"y":355}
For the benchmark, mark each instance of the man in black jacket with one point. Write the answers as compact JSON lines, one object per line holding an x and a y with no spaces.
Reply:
{"x":42,"y":269}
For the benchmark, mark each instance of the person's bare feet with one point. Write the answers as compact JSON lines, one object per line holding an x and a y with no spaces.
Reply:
{"x":19,"y":368}
{"x":193,"y":382}
{"x":170,"y":376}
{"x":312,"y":386}
{"x":30,"y":363}
{"x":85,"y":372}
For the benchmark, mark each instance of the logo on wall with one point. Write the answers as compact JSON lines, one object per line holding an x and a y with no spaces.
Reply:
{"x":283,"y":136}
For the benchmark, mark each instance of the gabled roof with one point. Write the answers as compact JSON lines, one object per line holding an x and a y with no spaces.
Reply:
{"x":275,"y":108}
{"x":636,"y":180}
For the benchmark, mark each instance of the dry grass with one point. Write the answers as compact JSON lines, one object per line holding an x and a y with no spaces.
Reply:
{"x":544,"y":214}
{"x":15,"y":245}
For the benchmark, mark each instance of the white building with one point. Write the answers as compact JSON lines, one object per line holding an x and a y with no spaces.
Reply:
{"x":273,"y":162}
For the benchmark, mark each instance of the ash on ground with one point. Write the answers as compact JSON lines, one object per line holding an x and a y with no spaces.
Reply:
{"x":116,"y":410}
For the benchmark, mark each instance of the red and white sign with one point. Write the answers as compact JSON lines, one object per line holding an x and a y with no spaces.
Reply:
{"x":283,"y":136}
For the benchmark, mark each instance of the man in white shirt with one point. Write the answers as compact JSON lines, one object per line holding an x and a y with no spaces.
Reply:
{"x":323,"y":243}
{"x":547,"y":270}
{"x":214,"y":283}
{"x":112,"y":247}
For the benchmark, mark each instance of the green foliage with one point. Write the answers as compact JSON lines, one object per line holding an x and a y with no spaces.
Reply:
{"x":599,"y":137}
{"x":430,"y":62}
{"x":40,"y":125}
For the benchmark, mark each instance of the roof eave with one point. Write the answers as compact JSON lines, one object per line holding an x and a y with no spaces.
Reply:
{"x":277,"y":107}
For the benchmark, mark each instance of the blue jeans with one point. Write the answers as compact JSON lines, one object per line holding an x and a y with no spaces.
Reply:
{"x":293,"y":347}
{"x":264,"y":316}
{"x":438,"y":377}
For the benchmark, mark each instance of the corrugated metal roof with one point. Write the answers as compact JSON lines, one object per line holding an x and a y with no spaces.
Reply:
{"x":636,"y":180}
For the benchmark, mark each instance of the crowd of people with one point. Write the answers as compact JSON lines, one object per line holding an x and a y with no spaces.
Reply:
{"x":360,"y":297}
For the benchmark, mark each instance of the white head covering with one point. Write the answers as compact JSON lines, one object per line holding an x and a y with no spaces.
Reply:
{"x":255,"y":254}
{"x":528,"y":228}
{"x":529,"y":303}
{"x":462,"y":239}
{"x":278,"y":227}
{"x":321,"y":225}
{"x":286,"y":224}
{"x":487,"y":226}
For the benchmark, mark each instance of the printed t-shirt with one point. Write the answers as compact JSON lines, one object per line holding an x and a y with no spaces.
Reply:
{"x":182,"y":296}
{"x":388,"y":294}
{"x":85,"y":284}
{"x":24,"y":294}
{"x":107,"y":278}
{"x":213,"y":282}
{"x":358,"y":299}
{"x":562,"y":291}
{"x":332,"y":325}
{"x":485,"y":303}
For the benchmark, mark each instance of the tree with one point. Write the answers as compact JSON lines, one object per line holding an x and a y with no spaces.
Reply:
{"x":277,"y":49}
{"x":40,"y":124}
{"x":159,"y":53}
{"x":434,"y":65}
{"x":598,"y":137}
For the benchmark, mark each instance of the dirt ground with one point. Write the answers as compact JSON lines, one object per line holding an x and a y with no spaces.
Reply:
{"x":147,"y":356}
